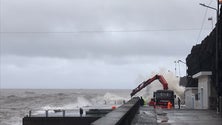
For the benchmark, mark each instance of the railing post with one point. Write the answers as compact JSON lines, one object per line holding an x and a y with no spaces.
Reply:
{"x":63,"y":113}
{"x":46,"y":113}
{"x":30,"y":113}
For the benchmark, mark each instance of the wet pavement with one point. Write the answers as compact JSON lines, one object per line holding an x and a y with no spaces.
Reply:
{"x":145,"y":116}
{"x":150,"y":116}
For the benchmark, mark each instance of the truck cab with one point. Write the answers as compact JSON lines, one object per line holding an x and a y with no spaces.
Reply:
{"x":162,"y":97}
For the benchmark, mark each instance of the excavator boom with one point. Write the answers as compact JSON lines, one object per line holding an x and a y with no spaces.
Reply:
{"x":149,"y":81}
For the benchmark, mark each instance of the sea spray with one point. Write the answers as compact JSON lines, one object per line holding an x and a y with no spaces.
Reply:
{"x":80,"y":102}
{"x":172,"y":80}
{"x":116,"y":99}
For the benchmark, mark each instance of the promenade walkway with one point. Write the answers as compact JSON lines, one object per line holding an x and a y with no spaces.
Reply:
{"x":150,"y":116}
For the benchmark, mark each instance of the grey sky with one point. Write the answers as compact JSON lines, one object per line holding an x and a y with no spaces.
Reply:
{"x":95,"y":43}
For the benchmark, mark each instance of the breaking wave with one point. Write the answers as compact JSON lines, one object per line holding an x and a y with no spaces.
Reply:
{"x":15,"y":104}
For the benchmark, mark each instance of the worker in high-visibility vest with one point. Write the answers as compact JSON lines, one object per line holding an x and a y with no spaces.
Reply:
{"x":169,"y":105}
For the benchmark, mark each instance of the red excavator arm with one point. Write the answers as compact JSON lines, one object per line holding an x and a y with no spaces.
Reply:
{"x":149,"y":81}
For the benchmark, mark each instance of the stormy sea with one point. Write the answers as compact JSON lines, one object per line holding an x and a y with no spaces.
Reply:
{"x":16,"y":103}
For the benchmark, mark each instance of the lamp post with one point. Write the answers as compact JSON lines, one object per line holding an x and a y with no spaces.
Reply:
{"x":216,"y":49}
{"x":175,"y":68}
{"x":178,"y":61}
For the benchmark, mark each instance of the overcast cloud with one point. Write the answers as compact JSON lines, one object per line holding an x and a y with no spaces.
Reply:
{"x":96,"y":43}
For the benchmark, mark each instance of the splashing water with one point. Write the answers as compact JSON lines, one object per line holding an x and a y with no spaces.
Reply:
{"x":172,"y":80}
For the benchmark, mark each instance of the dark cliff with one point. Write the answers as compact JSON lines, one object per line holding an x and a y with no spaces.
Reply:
{"x":202,"y":56}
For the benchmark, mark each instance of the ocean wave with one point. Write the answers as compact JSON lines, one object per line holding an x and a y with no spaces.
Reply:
{"x":15,"y":104}
{"x":29,"y":92}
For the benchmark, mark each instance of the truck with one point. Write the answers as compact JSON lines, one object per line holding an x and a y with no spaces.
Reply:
{"x":161,"y":98}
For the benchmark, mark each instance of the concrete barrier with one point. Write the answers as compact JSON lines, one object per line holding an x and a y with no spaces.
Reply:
{"x":122,"y":115}
{"x":59,"y":120}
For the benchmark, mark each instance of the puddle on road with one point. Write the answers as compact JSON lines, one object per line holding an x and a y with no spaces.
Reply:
{"x":162,"y":114}
{"x":162,"y":118}
{"x":171,"y":121}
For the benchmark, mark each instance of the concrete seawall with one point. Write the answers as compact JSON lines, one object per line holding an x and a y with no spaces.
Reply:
{"x":59,"y":120}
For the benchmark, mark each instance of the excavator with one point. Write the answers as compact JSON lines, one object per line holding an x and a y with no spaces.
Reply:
{"x":161,"y":98}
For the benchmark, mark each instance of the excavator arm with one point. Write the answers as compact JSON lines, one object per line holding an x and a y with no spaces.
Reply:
{"x":149,"y":81}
